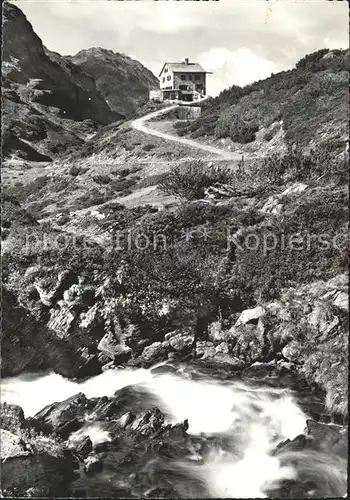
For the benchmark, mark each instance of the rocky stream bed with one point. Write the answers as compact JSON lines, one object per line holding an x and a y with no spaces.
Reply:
{"x":175,"y":430}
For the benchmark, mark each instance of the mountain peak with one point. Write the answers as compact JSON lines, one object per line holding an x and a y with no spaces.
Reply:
{"x":124,"y":82}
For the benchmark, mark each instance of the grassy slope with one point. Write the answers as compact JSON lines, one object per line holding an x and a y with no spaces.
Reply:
{"x":308,"y":103}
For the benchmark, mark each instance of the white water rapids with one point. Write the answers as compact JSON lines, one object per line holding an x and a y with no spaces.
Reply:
{"x":255,"y":418}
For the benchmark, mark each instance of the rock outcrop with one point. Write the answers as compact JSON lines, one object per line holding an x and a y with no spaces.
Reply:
{"x":32,"y":464}
{"x":140,"y":444}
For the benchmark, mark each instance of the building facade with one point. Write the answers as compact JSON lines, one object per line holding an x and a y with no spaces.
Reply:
{"x":184,"y":81}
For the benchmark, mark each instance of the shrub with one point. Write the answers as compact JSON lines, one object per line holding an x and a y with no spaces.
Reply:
{"x":233,"y":126}
{"x":63,"y":219}
{"x":123,"y":184}
{"x":316,"y":221}
{"x":21,"y":193}
{"x":312,"y":62}
{"x":92,"y":197}
{"x":178,"y":124}
{"x":59,"y":184}
{"x":74,"y":171}
{"x":189,"y":180}
{"x":295,"y":165}
{"x":148,"y":147}
{"x":243,"y":132}
{"x":101,"y":179}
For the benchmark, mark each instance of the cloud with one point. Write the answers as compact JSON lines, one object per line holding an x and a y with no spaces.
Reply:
{"x":238,"y":67}
{"x":240,"y":41}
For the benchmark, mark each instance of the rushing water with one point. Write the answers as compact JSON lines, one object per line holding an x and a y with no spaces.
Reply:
{"x":257,"y":417}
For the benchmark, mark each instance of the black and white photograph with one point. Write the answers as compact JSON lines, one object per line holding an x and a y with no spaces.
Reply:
{"x":174,"y":264}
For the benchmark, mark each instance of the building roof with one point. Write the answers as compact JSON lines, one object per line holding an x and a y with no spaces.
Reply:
{"x":184,"y":68}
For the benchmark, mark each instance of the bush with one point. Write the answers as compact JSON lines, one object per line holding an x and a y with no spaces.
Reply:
{"x":189,"y":180}
{"x":243,"y":132}
{"x":295,"y":166}
{"x":58,"y":184}
{"x":75,"y":171}
{"x":101,"y":179}
{"x":92,"y":197}
{"x":123,"y":184}
{"x":315,"y":221}
{"x":148,"y":147}
{"x":233,"y":126}
{"x":21,"y":193}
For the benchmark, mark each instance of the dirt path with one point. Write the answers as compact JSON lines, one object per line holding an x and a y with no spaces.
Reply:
{"x":139,"y":124}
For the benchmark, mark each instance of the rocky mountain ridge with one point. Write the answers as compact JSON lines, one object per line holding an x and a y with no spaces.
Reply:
{"x":123,"y":81}
{"x":51,"y":104}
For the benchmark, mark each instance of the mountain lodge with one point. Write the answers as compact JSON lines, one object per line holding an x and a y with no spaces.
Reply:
{"x":185,"y":81}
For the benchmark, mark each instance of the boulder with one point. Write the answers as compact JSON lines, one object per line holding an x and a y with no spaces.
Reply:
{"x":322,"y":318}
{"x":248,"y":344}
{"x":126,"y":419}
{"x":92,"y":465}
{"x":215,"y":332}
{"x":181,"y":341}
{"x":84,"y":447}
{"x":61,"y":320}
{"x":330,"y":438}
{"x":250,"y":316}
{"x":271,"y":369}
{"x":12,"y":445}
{"x":272,"y":205}
{"x":64,"y":417}
{"x":342,"y":301}
{"x":227,"y":359}
{"x":205,"y":349}
{"x":90,"y":320}
{"x":151,"y":422}
{"x":154,"y":352}
{"x":223,"y":347}
{"x":110,"y":347}
{"x":298,"y":187}
{"x":27,"y":470}
{"x":291,"y":351}
{"x":11,"y":416}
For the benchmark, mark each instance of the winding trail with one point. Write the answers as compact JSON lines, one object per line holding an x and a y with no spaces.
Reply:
{"x":139,"y":124}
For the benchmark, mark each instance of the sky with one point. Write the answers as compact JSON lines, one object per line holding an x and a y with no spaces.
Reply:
{"x":240,"y":41}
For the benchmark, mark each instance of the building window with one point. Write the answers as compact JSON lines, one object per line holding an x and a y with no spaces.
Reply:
{"x":183,"y":87}
{"x":183,"y":77}
{"x":165,"y":70}
{"x":163,"y":79}
{"x":197,"y":77}
{"x":168,"y":77}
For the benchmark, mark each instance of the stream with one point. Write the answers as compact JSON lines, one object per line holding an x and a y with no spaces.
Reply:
{"x":255,"y":418}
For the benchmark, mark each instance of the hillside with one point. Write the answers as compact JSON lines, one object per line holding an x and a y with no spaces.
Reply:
{"x":48,"y":104}
{"x":51,"y":104}
{"x":307,"y":105}
{"x":130,"y":249}
{"x":123,"y":82}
